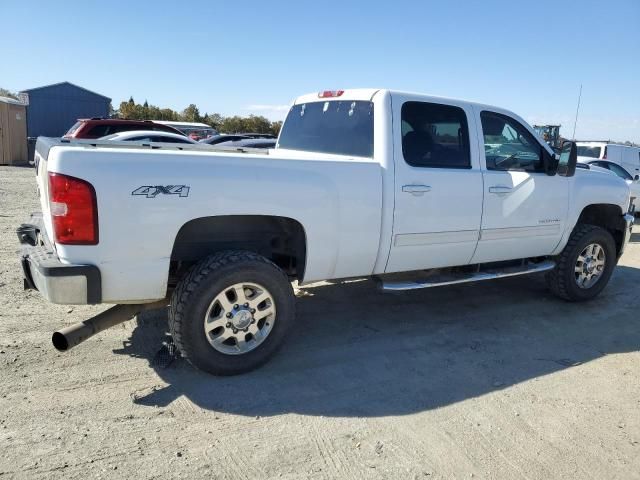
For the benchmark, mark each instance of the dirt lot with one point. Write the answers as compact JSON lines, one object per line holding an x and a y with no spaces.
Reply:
{"x":492,"y":380}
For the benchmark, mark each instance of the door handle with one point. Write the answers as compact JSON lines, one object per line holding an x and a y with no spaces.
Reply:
{"x":416,"y":189}
{"x":500,"y":189}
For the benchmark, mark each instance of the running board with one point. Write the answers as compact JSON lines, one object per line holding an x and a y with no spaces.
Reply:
{"x":442,"y":279}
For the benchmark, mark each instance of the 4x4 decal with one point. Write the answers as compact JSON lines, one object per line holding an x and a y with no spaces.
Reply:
{"x":150,"y":191}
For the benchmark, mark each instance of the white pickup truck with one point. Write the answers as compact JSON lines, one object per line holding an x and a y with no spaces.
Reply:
{"x":415,"y":191}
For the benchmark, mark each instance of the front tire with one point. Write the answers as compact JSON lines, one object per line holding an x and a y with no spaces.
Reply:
{"x":585,"y":265}
{"x":231,"y":312}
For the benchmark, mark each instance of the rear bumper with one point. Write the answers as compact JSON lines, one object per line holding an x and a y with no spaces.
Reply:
{"x":43,"y":271}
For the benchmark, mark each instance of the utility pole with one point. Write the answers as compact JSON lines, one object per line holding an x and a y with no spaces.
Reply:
{"x":577,"y":110}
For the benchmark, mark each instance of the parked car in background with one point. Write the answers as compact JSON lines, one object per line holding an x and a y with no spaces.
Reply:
{"x":194,"y":130}
{"x":632,"y":180}
{"x":149,"y":136}
{"x":250,"y":143}
{"x":623,"y":155}
{"x":101,"y":127}
{"x":228,"y":137}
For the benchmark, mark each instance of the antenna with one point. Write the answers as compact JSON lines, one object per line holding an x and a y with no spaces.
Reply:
{"x":577,"y":110}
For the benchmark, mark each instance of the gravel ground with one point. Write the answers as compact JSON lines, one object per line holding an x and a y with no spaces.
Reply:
{"x":492,"y":380}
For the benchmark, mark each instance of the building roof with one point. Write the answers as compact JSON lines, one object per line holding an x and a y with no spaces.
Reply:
{"x":64,"y":83}
{"x":10,"y":100}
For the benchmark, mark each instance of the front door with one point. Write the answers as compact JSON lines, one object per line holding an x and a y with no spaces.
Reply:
{"x":438,"y":185}
{"x":525,"y":210}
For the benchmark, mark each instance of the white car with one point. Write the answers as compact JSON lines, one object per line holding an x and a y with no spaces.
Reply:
{"x":632,"y":180}
{"x":623,"y":155}
{"x":412,"y":190}
{"x":148,"y":136}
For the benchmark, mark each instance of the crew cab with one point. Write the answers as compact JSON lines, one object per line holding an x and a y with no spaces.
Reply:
{"x":415,"y":191}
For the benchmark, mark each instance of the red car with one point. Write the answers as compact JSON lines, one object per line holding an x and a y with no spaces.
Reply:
{"x":101,"y":127}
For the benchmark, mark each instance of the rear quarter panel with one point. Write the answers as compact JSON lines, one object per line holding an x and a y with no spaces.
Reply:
{"x":338,"y":203}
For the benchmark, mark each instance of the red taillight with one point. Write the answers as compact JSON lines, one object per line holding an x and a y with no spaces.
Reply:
{"x":604,"y":157}
{"x":330,"y":93}
{"x":74,"y":210}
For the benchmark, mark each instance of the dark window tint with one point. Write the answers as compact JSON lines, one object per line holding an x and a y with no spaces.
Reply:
{"x":103,"y":130}
{"x":340,"y":127}
{"x":591,"y":152}
{"x":98,"y":131}
{"x":170,"y":140}
{"x":435,"y":136}
{"x":508,"y":145}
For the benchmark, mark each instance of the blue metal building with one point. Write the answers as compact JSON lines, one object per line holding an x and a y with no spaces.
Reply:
{"x":53,"y":109}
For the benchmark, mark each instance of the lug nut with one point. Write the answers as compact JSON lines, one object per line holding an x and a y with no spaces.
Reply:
{"x":228,"y":325}
{"x":253,"y":310}
{"x":253,"y":320}
{"x":245,"y":330}
{"x":229,"y":315}
{"x":246,"y":304}
{"x":235,"y":330}
{"x":235,"y":307}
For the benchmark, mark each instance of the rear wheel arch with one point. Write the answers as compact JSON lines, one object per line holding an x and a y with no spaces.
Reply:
{"x":280,"y":239}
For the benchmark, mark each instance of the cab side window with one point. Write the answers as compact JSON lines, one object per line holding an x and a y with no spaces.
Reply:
{"x":435,"y":136}
{"x":508,"y":145}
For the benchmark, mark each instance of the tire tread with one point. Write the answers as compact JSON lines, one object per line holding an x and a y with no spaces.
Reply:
{"x":557,"y":278}
{"x":191,"y":281}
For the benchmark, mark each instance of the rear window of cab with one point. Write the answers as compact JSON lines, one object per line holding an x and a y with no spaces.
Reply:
{"x":341,"y":127}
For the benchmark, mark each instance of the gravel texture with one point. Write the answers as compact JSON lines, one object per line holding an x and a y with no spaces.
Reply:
{"x":496,"y":380}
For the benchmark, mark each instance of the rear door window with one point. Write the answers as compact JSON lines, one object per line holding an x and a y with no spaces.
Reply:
{"x":435,"y":135}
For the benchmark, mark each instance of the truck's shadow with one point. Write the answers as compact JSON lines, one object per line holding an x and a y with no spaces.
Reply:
{"x":358,"y":352}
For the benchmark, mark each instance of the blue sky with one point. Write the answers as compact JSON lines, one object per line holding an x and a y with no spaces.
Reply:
{"x":255,"y":57}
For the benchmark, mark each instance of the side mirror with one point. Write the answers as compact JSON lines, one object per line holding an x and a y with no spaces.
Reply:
{"x":550,"y":162}
{"x":568,"y":159}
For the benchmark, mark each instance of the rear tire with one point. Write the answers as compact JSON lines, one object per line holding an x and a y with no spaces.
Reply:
{"x":231,"y":312}
{"x":585,"y":265}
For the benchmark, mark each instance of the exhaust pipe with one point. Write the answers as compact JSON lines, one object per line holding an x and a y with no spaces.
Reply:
{"x":69,"y":337}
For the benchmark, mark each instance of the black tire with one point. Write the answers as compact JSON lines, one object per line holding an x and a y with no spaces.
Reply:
{"x":198,"y":289}
{"x":562,"y":279}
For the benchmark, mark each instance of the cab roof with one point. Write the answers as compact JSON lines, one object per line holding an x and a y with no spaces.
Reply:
{"x":367,"y":94}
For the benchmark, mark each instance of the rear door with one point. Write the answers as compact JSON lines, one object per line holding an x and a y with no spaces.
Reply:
{"x":525,"y":210}
{"x":438,"y":184}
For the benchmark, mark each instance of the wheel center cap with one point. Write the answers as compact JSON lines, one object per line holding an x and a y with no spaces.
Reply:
{"x":241,"y":319}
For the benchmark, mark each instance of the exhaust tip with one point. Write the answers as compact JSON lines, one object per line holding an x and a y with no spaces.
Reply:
{"x":60,"y":342}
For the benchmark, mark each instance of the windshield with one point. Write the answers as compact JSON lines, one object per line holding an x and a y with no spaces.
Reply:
{"x":339,"y":127}
{"x":591,"y":152}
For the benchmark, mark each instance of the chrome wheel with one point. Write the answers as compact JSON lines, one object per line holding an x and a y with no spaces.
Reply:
{"x":240,"y":318}
{"x":590,"y":265}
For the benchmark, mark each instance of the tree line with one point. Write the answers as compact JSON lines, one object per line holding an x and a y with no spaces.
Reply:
{"x":235,"y":124}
